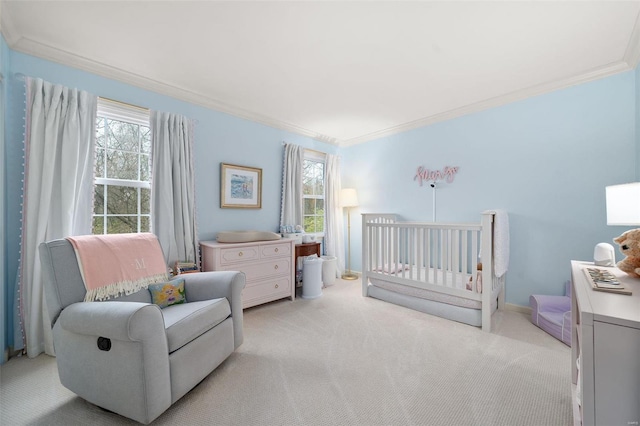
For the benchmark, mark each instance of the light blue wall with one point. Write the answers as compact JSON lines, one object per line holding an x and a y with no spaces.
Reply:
{"x":218,"y":138}
{"x":546,"y":160}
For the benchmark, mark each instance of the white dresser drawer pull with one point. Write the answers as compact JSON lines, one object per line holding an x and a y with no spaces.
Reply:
{"x":276,"y":250}
{"x":275,"y":267}
{"x":240,"y":254}
{"x":276,"y":285}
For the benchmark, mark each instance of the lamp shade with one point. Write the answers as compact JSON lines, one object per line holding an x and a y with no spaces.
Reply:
{"x":623,"y":204}
{"x":348,"y":197}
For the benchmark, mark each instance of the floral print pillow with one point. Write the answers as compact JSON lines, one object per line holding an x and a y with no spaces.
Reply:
{"x":168,"y":293}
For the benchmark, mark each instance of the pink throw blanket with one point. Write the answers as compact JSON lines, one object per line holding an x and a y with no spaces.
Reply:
{"x":117,"y":264}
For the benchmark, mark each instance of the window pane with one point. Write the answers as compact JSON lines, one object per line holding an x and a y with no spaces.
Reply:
{"x":309,"y":224}
{"x":145,"y":201}
{"x":122,"y":165}
{"x":313,"y":188}
{"x":314,"y":185}
{"x":319,"y":189}
{"x":98,"y":225}
{"x":145,"y":166}
{"x":145,"y":138}
{"x":122,"y":200}
{"x":307,"y":185}
{"x":98,"y":200}
{"x":309,"y":206}
{"x":122,"y":224}
{"x":313,"y":178}
{"x":145,"y":224}
{"x":123,"y":151}
{"x":100,"y":163}
{"x":100,"y":133}
{"x":123,"y":136}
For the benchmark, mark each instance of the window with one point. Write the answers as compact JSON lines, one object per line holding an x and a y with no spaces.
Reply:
{"x":313,"y":192}
{"x":122,"y":199}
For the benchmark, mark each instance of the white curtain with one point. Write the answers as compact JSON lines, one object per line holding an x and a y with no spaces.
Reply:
{"x":334,"y":235}
{"x":58,"y":189}
{"x":291,"y":212}
{"x":173,"y":209}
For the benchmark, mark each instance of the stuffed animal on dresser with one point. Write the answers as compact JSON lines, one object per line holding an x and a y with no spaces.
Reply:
{"x":629,"y":243}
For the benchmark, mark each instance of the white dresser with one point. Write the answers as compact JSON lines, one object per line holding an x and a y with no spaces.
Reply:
{"x":267,"y":265}
{"x":606,"y":337}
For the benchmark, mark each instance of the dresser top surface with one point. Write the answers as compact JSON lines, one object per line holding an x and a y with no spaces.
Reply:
{"x":603,"y":306}
{"x":215,"y":244}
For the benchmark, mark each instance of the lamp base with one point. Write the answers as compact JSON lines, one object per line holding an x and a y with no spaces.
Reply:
{"x":350,"y":276}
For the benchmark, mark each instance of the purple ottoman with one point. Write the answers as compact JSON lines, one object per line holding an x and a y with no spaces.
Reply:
{"x":553,"y":314}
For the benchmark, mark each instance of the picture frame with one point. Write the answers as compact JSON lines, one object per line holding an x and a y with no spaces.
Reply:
{"x":240,"y":187}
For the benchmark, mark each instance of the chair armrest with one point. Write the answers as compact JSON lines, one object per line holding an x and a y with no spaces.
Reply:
{"x":218,"y":284}
{"x":126,"y":321}
{"x":213,"y":285}
{"x":547,"y":303}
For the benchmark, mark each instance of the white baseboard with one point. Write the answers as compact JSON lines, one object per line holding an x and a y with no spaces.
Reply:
{"x":517,"y":308}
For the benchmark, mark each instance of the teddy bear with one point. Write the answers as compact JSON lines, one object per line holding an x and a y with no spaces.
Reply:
{"x":629,"y":243}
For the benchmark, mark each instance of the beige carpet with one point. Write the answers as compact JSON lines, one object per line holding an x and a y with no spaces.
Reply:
{"x":342,"y":359}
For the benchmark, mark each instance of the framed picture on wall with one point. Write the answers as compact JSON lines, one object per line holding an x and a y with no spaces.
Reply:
{"x":240,"y":187}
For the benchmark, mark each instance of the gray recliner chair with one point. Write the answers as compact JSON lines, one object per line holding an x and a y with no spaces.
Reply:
{"x":129,"y":356}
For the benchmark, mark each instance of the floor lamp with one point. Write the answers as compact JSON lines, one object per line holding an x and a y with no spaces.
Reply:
{"x":349,"y":199}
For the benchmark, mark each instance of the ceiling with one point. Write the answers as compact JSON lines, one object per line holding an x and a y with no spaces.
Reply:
{"x":341,"y":72}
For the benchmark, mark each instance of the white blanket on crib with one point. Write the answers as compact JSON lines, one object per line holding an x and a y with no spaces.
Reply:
{"x":501,"y":242}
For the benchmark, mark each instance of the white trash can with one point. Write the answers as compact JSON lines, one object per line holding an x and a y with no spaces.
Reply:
{"x":311,"y":277}
{"x":329,"y":270}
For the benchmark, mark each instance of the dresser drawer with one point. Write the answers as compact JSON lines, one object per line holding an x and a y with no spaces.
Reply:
{"x":276,"y":250}
{"x":238,"y":254}
{"x":259,"y":270}
{"x":262,"y":292}
{"x":267,"y":266}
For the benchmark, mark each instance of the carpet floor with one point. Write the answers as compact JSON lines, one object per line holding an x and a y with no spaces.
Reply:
{"x":342,"y":359}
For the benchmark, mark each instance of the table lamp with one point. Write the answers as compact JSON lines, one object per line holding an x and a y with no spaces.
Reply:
{"x":623,"y":204}
{"x":623,"y":209}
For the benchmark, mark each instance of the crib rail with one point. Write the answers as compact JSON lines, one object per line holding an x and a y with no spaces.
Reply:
{"x":444,"y":255}
{"x":434,"y":256}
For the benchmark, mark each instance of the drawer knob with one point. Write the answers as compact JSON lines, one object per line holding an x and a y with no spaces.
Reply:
{"x":275,"y":267}
{"x":276,"y":285}
{"x":240,"y":254}
{"x":276,"y":250}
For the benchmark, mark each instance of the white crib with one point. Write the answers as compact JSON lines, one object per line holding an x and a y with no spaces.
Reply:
{"x":433,"y":267}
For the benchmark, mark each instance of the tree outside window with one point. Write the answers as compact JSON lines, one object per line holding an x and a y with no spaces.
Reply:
{"x":122,"y":198}
{"x":313,"y":194}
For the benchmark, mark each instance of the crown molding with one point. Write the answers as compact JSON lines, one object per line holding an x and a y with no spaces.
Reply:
{"x":7,"y":28}
{"x":632,"y":54}
{"x":44,"y":51}
{"x":540,"y":89}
